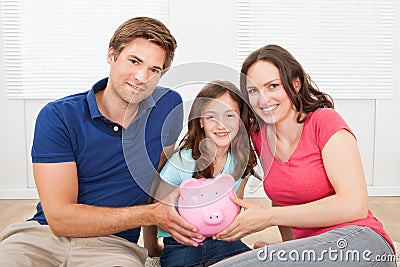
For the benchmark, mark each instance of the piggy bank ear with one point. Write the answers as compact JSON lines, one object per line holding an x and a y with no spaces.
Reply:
{"x":188,"y":186}
{"x":224,"y":182}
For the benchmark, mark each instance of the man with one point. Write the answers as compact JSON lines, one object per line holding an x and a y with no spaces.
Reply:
{"x":94,"y":157}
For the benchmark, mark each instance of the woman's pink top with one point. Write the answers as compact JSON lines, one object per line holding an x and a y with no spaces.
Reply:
{"x":302,"y":179}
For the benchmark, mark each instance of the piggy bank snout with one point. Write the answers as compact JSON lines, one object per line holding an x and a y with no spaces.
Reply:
{"x":213,"y":217}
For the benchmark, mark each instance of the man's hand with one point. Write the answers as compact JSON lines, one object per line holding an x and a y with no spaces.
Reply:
{"x":168,"y":219}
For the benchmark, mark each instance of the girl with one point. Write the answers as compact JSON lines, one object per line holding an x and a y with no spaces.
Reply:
{"x":313,"y":173}
{"x":216,"y":142}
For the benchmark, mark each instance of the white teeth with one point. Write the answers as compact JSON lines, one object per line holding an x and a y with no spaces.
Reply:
{"x":134,"y":86}
{"x":221,"y":134}
{"x":269,"y":108}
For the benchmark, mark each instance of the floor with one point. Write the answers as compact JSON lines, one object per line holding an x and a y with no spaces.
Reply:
{"x":386,"y":209}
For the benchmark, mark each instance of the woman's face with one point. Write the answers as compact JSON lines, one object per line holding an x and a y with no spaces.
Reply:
{"x":266,"y":93}
{"x":220,"y":120}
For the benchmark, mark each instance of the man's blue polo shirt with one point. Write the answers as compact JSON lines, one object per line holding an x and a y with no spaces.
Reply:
{"x":115,"y":166}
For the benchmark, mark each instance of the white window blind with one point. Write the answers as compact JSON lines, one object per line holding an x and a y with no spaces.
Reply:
{"x":346,"y":46}
{"x":56,"y":48}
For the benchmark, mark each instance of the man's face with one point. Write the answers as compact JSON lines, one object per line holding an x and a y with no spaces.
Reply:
{"x":136,"y":72}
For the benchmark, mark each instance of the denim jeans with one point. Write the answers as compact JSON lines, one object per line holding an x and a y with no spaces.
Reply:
{"x":212,"y":251}
{"x":347,"y":246}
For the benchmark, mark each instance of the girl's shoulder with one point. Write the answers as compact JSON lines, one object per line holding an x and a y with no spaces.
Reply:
{"x":182,"y":157}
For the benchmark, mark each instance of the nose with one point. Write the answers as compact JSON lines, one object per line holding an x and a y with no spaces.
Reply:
{"x":223,"y":123}
{"x":220,"y":124}
{"x":141,"y":75}
{"x":264,"y":97}
{"x":213,"y":217}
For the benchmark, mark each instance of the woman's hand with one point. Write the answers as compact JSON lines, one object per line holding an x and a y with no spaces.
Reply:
{"x":252,"y":219}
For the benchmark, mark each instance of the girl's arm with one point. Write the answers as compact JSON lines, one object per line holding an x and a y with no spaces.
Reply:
{"x":343,"y":166}
{"x":240,"y":191}
{"x":150,"y":241}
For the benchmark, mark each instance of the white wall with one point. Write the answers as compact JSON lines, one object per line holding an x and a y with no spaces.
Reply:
{"x":206,"y":31}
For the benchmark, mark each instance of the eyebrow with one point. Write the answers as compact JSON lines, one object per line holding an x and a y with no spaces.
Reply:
{"x":271,"y":81}
{"x":141,"y":61}
{"x":265,"y":84}
{"x":215,"y":112}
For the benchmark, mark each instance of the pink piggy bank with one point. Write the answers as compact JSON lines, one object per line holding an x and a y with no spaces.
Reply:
{"x":205,"y":203}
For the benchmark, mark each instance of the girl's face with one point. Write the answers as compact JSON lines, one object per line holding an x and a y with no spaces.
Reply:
{"x":267,"y":95}
{"x":220,"y":120}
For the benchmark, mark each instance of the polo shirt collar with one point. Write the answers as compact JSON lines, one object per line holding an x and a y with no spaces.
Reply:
{"x":147,"y":103}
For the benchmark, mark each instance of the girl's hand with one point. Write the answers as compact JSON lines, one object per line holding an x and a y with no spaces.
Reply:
{"x":252,"y":219}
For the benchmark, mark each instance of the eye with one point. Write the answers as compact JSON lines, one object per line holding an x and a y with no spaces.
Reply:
{"x":155,"y":71}
{"x":274,"y":85}
{"x":134,"y":61}
{"x":210,"y":117}
{"x":252,"y":91}
{"x":231,"y":115}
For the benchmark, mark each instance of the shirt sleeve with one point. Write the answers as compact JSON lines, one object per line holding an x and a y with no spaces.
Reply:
{"x":256,"y":139}
{"x":51,"y":141}
{"x":327,"y":122}
{"x":174,"y":121}
{"x":172,"y":170}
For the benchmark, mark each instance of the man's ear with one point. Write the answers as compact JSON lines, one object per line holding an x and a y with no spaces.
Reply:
{"x":297,"y":84}
{"x":110,"y":55}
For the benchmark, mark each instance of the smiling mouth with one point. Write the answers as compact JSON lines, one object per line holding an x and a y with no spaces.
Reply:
{"x":135,"y":88}
{"x":222,"y":134}
{"x":269,"y":108}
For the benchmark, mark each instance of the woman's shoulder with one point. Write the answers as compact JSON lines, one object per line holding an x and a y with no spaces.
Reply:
{"x":323,"y":123}
{"x":324,"y":117}
{"x":323,"y":114}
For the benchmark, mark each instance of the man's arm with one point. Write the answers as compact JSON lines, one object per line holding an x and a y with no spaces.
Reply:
{"x":57,"y":184}
{"x":240,"y":191}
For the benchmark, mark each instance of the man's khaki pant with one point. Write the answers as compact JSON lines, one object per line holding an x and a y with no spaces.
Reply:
{"x":31,"y":244}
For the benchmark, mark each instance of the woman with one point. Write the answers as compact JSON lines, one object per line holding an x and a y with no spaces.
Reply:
{"x":313,"y":174}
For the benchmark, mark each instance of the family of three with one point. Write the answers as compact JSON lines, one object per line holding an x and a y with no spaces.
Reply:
{"x":96,"y":154}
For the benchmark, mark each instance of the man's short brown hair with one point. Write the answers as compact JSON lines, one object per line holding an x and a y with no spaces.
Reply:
{"x":148,"y":28}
